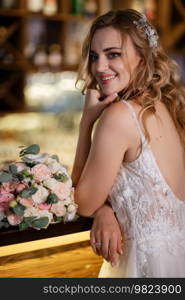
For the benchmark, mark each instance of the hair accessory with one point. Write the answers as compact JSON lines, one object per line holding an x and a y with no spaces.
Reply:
{"x":149,"y":31}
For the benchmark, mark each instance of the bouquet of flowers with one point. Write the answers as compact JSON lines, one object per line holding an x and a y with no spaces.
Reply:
{"x":36,"y":191}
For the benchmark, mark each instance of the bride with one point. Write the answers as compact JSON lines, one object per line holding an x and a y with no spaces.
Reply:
{"x":131,"y":175}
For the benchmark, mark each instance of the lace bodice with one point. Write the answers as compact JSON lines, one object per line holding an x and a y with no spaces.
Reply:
{"x":147,"y":209}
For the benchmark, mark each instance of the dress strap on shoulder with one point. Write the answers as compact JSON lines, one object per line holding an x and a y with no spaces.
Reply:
{"x":137,"y":123}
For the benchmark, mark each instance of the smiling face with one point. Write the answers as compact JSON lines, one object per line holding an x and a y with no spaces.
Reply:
{"x":111,"y":60}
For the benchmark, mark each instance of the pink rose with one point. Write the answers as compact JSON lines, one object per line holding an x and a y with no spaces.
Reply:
{"x":4,"y":200}
{"x":13,"y":219}
{"x":4,"y":206}
{"x":8,"y":187}
{"x":41,"y":172}
{"x":44,"y":206}
{"x":61,"y":190}
{"x":58,"y":209}
{"x":27,"y":202}
{"x":20,"y":187}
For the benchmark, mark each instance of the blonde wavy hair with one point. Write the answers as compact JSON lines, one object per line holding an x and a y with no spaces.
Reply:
{"x":156,"y":77}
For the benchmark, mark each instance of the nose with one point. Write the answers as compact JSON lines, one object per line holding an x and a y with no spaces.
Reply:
{"x":102,"y":64}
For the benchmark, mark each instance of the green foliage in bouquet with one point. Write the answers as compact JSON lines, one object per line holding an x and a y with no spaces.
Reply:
{"x":36,"y":191}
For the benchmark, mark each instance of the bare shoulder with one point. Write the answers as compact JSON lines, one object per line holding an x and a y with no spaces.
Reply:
{"x":118,"y":113}
{"x":116,"y":120}
{"x":118,"y":116}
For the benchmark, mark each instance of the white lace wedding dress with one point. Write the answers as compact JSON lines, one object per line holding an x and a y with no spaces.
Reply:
{"x":151,"y":217}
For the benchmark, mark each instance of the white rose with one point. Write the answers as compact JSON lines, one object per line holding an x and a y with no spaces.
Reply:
{"x":50,"y":183}
{"x":41,"y":195}
{"x":67,"y":201}
{"x":53,"y":165}
{"x":33,"y":212}
{"x":58,"y":209}
{"x":70,"y":217}
{"x":71,"y":208}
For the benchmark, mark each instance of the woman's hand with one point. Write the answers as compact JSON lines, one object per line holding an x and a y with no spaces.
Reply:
{"x":94,"y":106}
{"x":105,"y":236}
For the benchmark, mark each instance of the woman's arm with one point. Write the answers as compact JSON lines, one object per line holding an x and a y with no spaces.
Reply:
{"x":111,"y":141}
{"x":91,"y":112}
{"x":82,"y":151}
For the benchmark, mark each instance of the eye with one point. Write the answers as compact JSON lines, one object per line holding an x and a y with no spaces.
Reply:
{"x":93,"y":57}
{"x":112,"y":55}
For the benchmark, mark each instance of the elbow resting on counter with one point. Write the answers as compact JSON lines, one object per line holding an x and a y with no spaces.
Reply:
{"x":86,"y":205}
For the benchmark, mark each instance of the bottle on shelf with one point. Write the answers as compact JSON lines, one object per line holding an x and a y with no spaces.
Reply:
{"x":50,"y":7}
{"x":35,"y":6}
{"x":90,"y":8}
{"x":40,"y":59}
{"x":55,"y":57}
{"x":77,"y":7}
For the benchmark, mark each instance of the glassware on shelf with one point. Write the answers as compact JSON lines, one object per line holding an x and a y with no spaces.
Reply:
{"x":50,"y":7}
{"x":55,"y":57}
{"x":40,"y":59}
{"x":35,"y":6}
{"x":90,"y":8}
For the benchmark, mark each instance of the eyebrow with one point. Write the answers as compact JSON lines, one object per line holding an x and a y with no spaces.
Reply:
{"x":106,"y":49}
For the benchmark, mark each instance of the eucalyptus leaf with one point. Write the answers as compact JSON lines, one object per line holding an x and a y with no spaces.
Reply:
{"x":29,"y":220}
{"x":13,"y":169}
{"x":40,"y":223}
{"x":5,"y":177}
{"x":27,"y":193}
{"x":19,"y":209}
{"x":61,"y":177}
{"x":19,"y":176}
{"x":32,"y":149}
{"x":23,"y":226}
{"x":52,"y":198}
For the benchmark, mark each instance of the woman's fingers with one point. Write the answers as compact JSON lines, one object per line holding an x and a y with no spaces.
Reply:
{"x":113,"y":250}
{"x":105,"y":236}
{"x":105,"y":246}
{"x":120,"y":245}
{"x":109,"y":99}
{"x":100,"y":243}
{"x":95,"y":241}
{"x":92,"y":241}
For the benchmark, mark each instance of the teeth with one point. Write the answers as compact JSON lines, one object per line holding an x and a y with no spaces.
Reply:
{"x":108,"y":77}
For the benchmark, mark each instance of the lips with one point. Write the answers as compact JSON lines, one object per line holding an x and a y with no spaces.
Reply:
{"x":105,"y":79}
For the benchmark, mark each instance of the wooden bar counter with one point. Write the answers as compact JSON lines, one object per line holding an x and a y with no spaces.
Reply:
{"x":60,"y":251}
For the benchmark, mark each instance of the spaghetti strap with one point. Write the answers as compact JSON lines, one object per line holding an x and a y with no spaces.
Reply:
{"x":137,"y":123}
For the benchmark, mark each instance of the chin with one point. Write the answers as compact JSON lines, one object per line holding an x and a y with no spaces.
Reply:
{"x":110,"y":92}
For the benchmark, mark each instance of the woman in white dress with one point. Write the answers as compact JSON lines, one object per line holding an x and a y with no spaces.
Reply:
{"x":131,"y":176}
